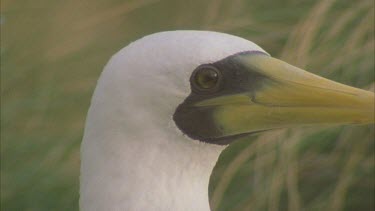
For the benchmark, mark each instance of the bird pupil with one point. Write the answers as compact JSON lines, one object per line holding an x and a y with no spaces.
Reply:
{"x":207,"y":78}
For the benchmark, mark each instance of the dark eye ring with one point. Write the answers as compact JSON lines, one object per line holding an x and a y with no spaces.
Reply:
{"x":206,"y":79}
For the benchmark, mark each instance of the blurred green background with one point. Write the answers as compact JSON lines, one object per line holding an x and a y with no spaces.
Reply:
{"x":52,"y":53}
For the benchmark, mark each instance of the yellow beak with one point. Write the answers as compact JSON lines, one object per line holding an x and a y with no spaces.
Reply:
{"x":288,"y":96}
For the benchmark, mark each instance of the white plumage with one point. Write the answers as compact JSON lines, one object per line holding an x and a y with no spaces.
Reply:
{"x":133,"y":155}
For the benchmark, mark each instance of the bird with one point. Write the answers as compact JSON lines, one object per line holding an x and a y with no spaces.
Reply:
{"x":168,"y":104}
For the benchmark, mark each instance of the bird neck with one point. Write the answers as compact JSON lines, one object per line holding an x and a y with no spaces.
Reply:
{"x":175,"y":174}
{"x":156,"y":169}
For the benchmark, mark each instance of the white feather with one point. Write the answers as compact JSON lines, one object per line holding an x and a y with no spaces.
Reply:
{"x":133,"y":155}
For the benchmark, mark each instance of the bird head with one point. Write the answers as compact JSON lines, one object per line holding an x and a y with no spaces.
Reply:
{"x":165,"y":103}
{"x":216,"y":87}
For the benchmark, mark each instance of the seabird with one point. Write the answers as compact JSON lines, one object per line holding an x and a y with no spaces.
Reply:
{"x":167,"y":105}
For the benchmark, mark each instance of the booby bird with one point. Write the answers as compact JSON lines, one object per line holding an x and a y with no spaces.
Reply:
{"x":166,"y":106}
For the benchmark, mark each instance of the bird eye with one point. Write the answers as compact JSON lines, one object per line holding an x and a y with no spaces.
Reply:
{"x":206,"y":78}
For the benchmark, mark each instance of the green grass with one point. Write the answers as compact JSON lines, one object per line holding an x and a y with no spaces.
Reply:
{"x":53,"y":52}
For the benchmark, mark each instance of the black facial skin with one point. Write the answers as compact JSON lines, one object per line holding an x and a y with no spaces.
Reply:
{"x":232,"y":78}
